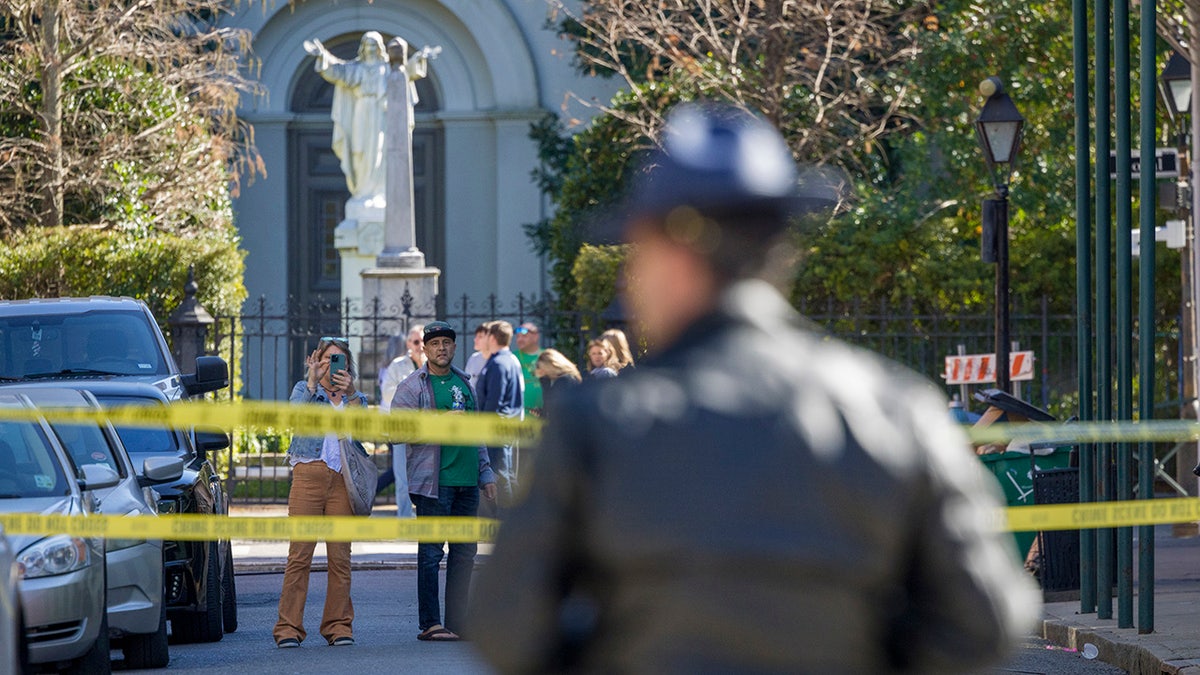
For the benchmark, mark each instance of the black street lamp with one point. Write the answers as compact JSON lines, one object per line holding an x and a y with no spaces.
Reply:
{"x":999,"y":128}
{"x":1177,"y":85}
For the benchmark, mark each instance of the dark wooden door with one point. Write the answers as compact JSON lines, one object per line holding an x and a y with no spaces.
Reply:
{"x":319,"y":202}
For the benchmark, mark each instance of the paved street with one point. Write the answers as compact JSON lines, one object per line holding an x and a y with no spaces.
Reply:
{"x":1043,"y":658}
{"x":385,"y":628}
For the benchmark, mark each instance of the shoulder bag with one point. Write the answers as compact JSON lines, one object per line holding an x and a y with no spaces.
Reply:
{"x":361,"y":476}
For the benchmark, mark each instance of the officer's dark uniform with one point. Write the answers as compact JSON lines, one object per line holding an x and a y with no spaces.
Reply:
{"x":753,"y":498}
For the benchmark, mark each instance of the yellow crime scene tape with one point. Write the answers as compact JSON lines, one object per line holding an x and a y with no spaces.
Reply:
{"x":490,"y":429}
{"x":1076,"y":433}
{"x":194,"y":527}
{"x":1102,"y":514}
{"x":305,"y":420}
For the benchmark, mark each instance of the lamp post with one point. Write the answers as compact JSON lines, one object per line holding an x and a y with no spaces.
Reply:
{"x":1177,"y":85}
{"x":999,"y":128}
{"x":1176,"y":89}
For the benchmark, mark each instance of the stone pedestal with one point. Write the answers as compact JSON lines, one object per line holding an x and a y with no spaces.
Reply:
{"x":359,"y":240}
{"x":391,"y":284}
{"x":398,"y":289}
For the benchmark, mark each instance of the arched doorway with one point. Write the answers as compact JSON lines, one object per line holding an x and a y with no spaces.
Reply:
{"x":317,"y":189}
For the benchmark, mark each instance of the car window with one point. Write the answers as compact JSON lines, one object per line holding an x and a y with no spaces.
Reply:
{"x":118,"y":342}
{"x":88,"y":444}
{"x":149,"y":441}
{"x":143,"y":440}
{"x":29,"y":466}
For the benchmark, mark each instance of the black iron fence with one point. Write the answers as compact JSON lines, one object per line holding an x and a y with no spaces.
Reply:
{"x":265,"y":347}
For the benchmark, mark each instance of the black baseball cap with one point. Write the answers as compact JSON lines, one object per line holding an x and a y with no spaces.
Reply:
{"x":435,"y":329}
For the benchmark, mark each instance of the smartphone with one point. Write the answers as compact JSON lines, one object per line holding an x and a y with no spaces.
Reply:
{"x":337,"y":361}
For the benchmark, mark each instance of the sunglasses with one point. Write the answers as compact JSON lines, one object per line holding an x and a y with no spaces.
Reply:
{"x":521,"y":330}
{"x":339,"y":341}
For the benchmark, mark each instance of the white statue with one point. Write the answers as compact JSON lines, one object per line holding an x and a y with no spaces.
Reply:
{"x":415,"y":68}
{"x":360,"y":106}
{"x":359,"y":109}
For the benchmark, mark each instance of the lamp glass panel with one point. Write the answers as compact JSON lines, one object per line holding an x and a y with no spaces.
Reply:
{"x":1181,"y":92}
{"x":1001,"y":137}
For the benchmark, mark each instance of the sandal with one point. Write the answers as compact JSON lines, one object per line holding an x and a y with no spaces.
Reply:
{"x":438,"y":634}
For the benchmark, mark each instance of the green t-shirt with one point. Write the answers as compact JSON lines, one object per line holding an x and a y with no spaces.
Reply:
{"x":533,"y":388}
{"x":460,"y":463}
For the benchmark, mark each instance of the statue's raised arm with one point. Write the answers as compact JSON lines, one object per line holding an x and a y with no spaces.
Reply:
{"x":417,"y":67}
{"x":324,"y":57}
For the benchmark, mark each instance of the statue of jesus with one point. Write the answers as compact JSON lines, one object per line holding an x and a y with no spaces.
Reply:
{"x":359,"y":109}
{"x":360,"y":106}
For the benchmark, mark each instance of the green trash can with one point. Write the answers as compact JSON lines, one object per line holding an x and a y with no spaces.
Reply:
{"x":1014,"y":472}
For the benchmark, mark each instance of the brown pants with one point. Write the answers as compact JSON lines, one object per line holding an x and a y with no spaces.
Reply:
{"x":316,"y":490}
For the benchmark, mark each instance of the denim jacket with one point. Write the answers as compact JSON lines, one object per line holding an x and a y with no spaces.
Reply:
{"x":305,"y":448}
{"x":423,"y":461}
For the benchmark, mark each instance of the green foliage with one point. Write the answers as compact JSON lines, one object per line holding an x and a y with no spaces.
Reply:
{"x":914,"y":231}
{"x":265,"y":491}
{"x":910,"y":235}
{"x":584,"y":174}
{"x":80,"y":261}
{"x":595,"y":274}
{"x":129,"y":119}
{"x":114,"y":97}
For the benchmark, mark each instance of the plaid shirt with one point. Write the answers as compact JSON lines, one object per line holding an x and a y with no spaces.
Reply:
{"x":423,"y":460}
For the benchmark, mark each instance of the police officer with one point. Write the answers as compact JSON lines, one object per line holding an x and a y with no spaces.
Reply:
{"x":754,"y":497}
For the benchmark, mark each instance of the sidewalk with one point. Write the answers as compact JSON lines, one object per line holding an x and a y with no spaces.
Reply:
{"x":1174,"y":646}
{"x":269,"y":557}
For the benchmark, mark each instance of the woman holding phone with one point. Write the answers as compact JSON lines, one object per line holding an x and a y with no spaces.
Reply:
{"x":318,"y":489}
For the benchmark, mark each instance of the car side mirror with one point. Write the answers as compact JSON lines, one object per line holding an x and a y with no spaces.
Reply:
{"x":212,"y":373}
{"x":98,"y":477}
{"x":211,"y":441}
{"x":156,"y":470}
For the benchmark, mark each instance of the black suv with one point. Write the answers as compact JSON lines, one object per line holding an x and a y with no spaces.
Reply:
{"x":114,"y":348}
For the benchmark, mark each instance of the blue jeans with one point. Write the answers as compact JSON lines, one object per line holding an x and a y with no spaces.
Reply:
{"x":504,"y":464}
{"x":451,"y":501}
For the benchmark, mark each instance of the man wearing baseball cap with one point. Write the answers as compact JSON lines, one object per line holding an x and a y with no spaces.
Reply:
{"x":443,"y":480}
{"x":754,"y":497}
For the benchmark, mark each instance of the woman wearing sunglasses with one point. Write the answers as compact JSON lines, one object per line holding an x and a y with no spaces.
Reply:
{"x":318,"y":489}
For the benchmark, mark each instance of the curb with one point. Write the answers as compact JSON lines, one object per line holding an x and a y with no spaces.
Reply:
{"x":277,"y":566}
{"x":1136,"y":659}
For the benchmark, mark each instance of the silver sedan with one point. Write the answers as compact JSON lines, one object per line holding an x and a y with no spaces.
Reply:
{"x":62,"y":576}
{"x":137,"y":614}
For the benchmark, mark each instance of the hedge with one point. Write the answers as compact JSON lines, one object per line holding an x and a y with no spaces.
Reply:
{"x":76,"y":261}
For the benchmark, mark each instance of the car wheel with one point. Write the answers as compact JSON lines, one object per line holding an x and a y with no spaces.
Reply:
{"x":229,"y":593}
{"x":149,"y":650}
{"x":96,"y":660}
{"x":204,"y":626}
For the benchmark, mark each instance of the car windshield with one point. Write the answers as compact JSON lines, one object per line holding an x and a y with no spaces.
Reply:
{"x":87,"y":444}
{"x":29,"y":466}
{"x":143,"y":440}
{"x":88,"y":343}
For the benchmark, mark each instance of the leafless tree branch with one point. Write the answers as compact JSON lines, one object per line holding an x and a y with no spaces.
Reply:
{"x":815,"y":67}
{"x":136,"y":98}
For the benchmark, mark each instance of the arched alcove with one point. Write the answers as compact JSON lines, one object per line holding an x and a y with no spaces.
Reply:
{"x":318,"y":185}
{"x":484,"y":93}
